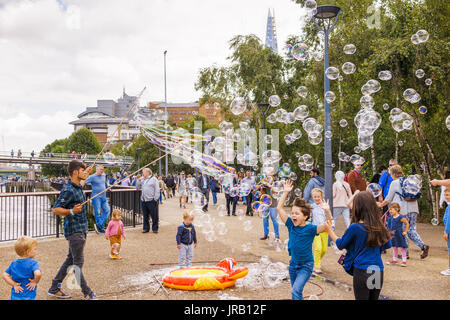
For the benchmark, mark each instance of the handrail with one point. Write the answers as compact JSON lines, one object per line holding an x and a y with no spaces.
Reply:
{"x":50,"y":193}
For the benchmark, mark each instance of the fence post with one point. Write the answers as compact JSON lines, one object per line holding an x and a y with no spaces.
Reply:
{"x":134,"y":209}
{"x":25,"y":214}
{"x":58,"y":221}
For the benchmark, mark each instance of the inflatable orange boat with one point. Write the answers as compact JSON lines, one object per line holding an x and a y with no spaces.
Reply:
{"x":222,"y":276}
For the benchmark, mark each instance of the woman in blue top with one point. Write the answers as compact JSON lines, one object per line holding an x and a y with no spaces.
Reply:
{"x":365,"y":239}
{"x":301,"y":237}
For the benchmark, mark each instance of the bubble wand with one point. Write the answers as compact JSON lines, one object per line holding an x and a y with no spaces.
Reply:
{"x":120,"y":125}
{"x":119,"y":181}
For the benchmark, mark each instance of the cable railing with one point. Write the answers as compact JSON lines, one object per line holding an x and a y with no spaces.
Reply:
{"x":63,"y":156}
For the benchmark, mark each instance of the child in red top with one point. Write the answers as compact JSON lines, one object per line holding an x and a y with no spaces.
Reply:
{"x":114,"y":233}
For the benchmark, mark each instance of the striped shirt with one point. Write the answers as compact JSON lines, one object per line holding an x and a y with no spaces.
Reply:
{"x":71,"y":195}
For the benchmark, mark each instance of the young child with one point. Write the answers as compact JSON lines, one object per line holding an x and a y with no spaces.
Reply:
{"x":186,"y":241}
{"x":114,"y":233}
{"x":320,"y":214}
{"x":395,"y":226}
{"x":301,"y":237}
{"x":23,"y":274}
{"x":447,"y":228}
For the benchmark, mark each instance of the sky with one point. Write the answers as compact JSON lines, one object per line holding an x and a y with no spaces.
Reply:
{"x":58,"y":57}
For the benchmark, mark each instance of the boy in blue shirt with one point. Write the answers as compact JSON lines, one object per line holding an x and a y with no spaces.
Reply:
{"x":447,"y":228}
{"x":23,"y":274}
{"x":301,"y":237}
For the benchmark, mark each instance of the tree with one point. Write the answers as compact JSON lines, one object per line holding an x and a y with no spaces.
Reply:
{"x":57,"y":146}
{"x":83,"y":141}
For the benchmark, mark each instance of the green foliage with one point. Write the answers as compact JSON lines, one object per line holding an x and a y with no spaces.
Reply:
{"x":83,"y":141}
{"x":256,"y":73}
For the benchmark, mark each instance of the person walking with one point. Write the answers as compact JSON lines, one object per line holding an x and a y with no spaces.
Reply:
{"x":355,"y":178}
{"x":203,"y":184}
{"x":12,"y":153}
{"x":232,"y":200}
{"x":170,"y":183}
{"x":182,"y":189}
{"x":341,"y":195}
{"x":364,"y":241}
{"x":215,"y":188}
{"x":410,"y":209}
{"x":68,"y":205}
{"x":273,"y":212}
{"x":316,"y":182}
{"x":149,"y":197}
{"x":99,"y":183}
{"x":250,"y":180}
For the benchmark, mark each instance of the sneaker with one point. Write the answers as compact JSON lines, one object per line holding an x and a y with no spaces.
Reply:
{"x":446,"y":272}
{"x":264,"y":238}
{"x":425,"y":252}
{"x":58,"y":293}
{"x":90,"y":296}
{"x":96,"y":228}
{"x":403,"y":264}
{"x":393,"y":262}
{"x":317,"y":271}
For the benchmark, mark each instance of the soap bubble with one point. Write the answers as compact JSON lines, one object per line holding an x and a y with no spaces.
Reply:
{"x":343,"y":123}
{"x":248,"y":225}
{"x":409,"y":94}
{"x":284,"y":171}
{"x":274,"y":100}
{"x":375,"y":189}
{"x":238,"y":106}
{"x":109,"y":157}
{"x":386,"y":106}
{"x":328,"y":134}
{"x":332,"y":73}
{"x":330,"y":96}
{"x":301,"y":112}
{"x":434,"y":221}
{"x":367,"y":101}
{"x":374,"y":85}
{"x":221,"y":228}
{"x":310,"y":4}
{"x":420,"y":73}
{"x":300,"y":51}
{"x":447,"y":122}
{"x":428,"y":82}
{"x":297,"y":192}
{"x":268,"y":139}
{"x":357,"y":149}
{"x":244,"y":125}
{"x":422,"y":36}
{"x":318,"y":56}
{"x":297,"y":133}
{"x":302,"y":91}
{"x":288,"y":50}
{"x":349,"y":48}
{"x":244,"y":189}
{"x":412,"y":184}
{"x":423,"y":110}
{"x":415,"y":39}
{"x":385,"y":75}
{"x":400,"y":143}
{"x":348,"y":68}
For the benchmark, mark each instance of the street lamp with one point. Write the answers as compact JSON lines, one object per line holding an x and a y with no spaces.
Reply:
{"x":165,"y":105}
{"x":326,"y":13}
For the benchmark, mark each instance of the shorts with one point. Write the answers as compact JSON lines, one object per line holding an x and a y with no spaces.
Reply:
{"x":182,"y":193}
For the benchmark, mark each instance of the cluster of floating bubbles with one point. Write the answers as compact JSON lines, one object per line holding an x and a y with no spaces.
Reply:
{"x":400,"y":120}
{"x":314,"y":130}
{"x":298,"y":51}
{"x":305,"y":162}
{"x":238,"y":106}
{"x":265,"y":274}
{"x":367,"y":121}
{"x":420,"y":36}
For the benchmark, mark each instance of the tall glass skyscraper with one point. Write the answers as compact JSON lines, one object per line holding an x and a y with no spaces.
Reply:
{"x":271,"y":33}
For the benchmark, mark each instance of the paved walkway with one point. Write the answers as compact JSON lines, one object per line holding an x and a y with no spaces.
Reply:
{"x":148,"y":255}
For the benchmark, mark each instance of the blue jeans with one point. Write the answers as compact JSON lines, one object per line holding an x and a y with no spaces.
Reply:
{"x":101,"y":204}
{"x":299,"y":274}
{"x":448,"y":247}
{"x":273,"y":215}
{"x":214,"y":195}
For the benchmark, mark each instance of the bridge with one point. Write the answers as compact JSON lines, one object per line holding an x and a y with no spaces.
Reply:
{"x":62,"y":159}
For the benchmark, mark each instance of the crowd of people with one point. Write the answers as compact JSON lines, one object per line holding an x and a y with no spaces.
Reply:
{"x":373,"y":224}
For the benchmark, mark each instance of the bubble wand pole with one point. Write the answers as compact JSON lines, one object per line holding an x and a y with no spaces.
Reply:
{"x":115,"y":183}
{"x":119,"y":126}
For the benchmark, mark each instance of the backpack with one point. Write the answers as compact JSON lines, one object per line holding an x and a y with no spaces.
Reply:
{"x":406,"y":195}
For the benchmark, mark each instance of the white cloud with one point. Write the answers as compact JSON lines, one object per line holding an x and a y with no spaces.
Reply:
{"x":59,"y":59}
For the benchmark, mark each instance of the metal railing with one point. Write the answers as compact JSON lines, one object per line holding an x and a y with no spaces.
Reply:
{"x":31,"y":214}
{"x":46,"y":155}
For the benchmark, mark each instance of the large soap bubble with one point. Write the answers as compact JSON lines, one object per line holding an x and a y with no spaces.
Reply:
{"x":300,"y":51}
{"x":302,"y":91}
{"x":374,"y":189}
{"x":238,"y":106}
{"x":274,"y":100}
{"x":332,"y":73}
{"x":412,"y":184}
{"x":348,"y":68}
{"x":385,"y":75}
{"x":349,"y":48}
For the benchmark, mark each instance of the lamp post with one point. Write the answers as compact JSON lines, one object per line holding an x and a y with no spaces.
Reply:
{"x":326,"y":13}
{"x":165,"y":105}
{"x":264,"y":108}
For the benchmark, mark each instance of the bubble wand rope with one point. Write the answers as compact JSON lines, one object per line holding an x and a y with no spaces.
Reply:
{"x":119,"y":126}
{"x":118,"y":181}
